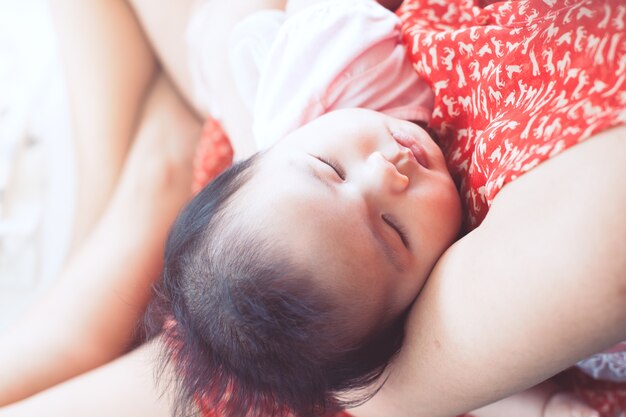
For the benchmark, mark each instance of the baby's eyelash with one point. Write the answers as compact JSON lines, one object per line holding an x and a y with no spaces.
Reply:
{"x":335,"y":166}
{"x":394,"y":225}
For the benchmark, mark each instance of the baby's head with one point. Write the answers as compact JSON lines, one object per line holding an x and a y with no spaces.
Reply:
{"x":289,"y":277}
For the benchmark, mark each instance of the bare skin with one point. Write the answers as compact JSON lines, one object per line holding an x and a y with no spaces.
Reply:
{"x":101,"y":80}
{"x":89,"y":316}
{"x":123,"y":388}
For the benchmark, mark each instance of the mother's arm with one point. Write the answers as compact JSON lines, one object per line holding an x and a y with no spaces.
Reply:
{"x":538,"y":286}
{"x":122,"y":388}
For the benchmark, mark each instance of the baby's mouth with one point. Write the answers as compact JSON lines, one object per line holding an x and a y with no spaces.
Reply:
{"x":411,"y":143}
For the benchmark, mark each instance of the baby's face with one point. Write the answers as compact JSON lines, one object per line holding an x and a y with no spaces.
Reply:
{"x":363,"y":200}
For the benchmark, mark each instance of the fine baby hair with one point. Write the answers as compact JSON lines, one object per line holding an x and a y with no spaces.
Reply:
{"x":248,"y":332}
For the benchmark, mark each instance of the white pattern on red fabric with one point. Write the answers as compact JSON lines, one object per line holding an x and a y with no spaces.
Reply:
{"x":607,"y":366}
{"x":515,"y":84}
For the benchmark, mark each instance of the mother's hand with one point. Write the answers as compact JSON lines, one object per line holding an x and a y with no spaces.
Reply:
{"x":538,"y":286}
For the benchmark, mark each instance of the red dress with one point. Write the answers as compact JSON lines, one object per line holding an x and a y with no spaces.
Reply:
{"x":516,"y":82}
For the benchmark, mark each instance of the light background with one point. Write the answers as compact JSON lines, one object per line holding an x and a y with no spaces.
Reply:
{"x":36,"y":162}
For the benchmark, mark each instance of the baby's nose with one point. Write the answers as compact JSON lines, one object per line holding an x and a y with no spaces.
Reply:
{"x":385,"y":176}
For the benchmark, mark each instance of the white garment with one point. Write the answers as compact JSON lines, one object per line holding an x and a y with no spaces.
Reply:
{"x":332,"y":55}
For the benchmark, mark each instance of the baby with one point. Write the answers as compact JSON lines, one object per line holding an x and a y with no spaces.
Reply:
{"x":288,"y":278}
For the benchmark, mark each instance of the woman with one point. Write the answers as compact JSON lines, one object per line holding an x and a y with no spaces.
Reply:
{"x":459,"y":339}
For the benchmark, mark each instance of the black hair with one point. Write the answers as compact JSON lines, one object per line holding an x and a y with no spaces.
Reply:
{"x":247,"y":332}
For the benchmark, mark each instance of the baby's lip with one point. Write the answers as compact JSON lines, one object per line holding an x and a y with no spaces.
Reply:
{"x":411,"y":142}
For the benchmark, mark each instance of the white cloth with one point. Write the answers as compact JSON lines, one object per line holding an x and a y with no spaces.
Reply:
{"x":332,"y":55}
